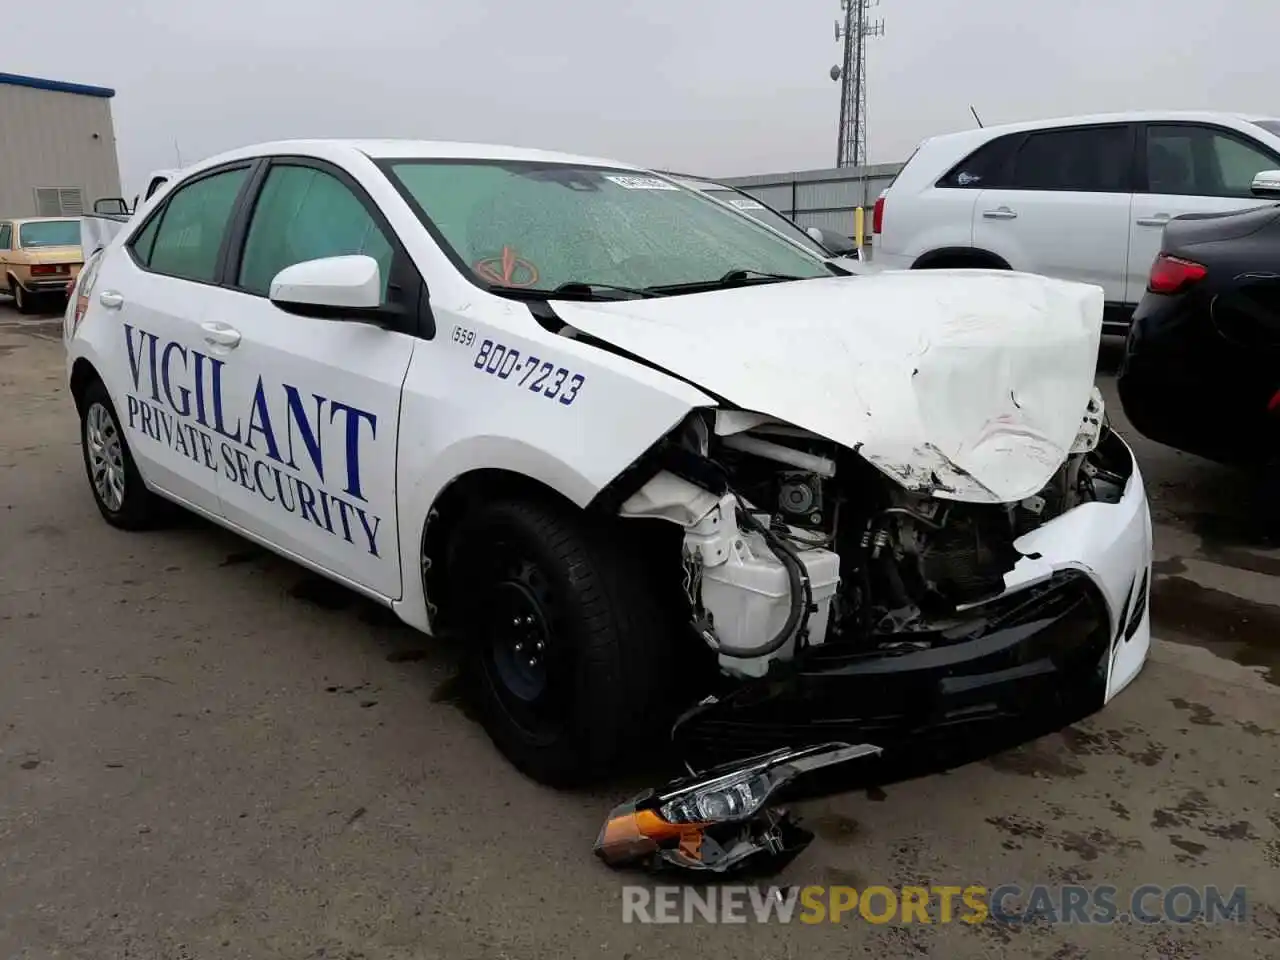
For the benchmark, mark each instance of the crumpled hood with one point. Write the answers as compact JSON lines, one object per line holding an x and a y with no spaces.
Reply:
{"x":965,"y":384}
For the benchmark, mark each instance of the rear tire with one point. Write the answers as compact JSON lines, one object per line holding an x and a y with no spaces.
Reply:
{"x":122,"y":498}
{"x":568,"y":637}
{"x":21,"y":299}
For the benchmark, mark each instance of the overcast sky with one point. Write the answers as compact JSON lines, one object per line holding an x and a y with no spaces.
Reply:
{"x":705,"y":86}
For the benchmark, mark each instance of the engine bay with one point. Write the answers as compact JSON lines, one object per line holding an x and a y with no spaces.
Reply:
{"x":804,"y":543}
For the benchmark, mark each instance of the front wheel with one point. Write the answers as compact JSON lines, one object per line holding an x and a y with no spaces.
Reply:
{"x":122,"y":498}
{"x":569,"y":637}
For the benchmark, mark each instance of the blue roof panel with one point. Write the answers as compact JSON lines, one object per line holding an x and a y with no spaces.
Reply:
{"x":17,"y":80}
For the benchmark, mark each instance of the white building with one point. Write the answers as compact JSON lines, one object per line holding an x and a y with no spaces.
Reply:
{"x":57,"y":147}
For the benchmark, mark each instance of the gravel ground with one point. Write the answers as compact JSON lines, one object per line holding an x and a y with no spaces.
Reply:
{"x":207,"y":752}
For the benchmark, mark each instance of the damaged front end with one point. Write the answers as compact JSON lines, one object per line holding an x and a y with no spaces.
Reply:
{"x":843,"y":608}
{"x":841,"y":605}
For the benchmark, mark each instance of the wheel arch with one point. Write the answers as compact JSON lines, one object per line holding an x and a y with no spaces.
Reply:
{"x":83,"y":373}
{"x":962,"y":258}
{"x":448,"y":508}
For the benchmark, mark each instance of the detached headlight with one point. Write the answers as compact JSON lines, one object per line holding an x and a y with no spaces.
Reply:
{"x":740,"y":797}
{"x":716,"y":820}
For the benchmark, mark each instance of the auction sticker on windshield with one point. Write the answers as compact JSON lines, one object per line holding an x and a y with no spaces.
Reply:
{"x":641,"y":183}
{"x":743,"y":203}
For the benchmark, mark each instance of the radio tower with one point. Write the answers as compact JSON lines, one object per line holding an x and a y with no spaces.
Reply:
{"x":851,"y":148}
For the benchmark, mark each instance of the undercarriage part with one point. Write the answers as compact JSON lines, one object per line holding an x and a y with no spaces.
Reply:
{"x":720,"y":821}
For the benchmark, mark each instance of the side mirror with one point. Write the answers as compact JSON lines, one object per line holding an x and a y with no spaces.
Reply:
{"x":111,"y":205}
{"x":838,"y":244}
{"x":1267,"y":184}
{"x":332,"y":288}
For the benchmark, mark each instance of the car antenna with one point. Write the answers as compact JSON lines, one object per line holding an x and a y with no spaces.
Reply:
{"x":975,"y":115}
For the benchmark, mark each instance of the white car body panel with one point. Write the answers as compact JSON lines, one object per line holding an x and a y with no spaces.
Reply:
{"x":1107,"y":239}
{"x":969,"y":384}
{"x":1112,"y":544}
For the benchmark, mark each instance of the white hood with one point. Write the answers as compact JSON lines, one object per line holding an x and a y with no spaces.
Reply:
{"x":966,"y":384}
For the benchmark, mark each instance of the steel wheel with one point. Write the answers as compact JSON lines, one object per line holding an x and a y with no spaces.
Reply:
{"x":106,"y":456}
{"x":517,"y":623}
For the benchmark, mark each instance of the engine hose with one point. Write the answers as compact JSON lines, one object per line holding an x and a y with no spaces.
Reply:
{"x":800,"y":592}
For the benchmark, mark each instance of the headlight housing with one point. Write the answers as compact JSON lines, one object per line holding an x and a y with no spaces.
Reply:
{"x":716,"y":820}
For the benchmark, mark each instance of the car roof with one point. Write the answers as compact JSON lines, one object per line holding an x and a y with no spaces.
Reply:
{"x":1138,"y":116}
{"x":19,"y":220}
{"x":410,"y":150}
{"x":694,"y":183}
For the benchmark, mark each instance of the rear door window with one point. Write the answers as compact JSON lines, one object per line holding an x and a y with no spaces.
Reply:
{"x":188,"y":233}
{"x":986,"y":167}
{"x":1079,"y":159}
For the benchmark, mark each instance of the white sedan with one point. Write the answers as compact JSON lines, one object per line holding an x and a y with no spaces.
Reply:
{"x":656,"y":463}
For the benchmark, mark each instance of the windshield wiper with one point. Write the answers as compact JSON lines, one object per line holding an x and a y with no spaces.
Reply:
{"x":573,"y":290}
{"x":584,"y":287}
{"x":731,"y":278}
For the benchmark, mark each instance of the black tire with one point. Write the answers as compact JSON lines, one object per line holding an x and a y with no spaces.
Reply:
{"x":606,"y":626}
{"x":21,"y":298}
{"x":138,"y":507}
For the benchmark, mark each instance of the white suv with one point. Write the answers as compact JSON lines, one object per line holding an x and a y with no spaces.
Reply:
{"x":1082,"y":198}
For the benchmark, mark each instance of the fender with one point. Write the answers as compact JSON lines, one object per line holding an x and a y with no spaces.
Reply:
{"x":468,"y":456}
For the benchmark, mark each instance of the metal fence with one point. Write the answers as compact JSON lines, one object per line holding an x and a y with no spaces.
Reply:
{"x":821,"y":198}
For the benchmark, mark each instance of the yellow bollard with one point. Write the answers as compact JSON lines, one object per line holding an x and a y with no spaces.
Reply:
{"x":859,"y":226}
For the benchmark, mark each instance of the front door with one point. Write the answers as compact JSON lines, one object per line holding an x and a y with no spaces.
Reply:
{"x":164,"y":379}
{"x":309,"y":460}
{"x":1189,"y":168}
{"x":1065,"y":210}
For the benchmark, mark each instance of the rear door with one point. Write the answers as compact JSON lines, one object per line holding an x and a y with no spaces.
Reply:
{"x":1062,"y":206}
{"x":1188,"y":168}
{"x":162,"y":376}
{"x":309,"y":462}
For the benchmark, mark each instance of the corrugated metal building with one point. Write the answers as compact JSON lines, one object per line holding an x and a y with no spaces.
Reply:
{"x":57,"y":147}
{"x":821,"y":198}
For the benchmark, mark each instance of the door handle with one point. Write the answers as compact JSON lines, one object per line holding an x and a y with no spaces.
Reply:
{"x":111,"y":300}
{"x":1159,"y":220}
{"x":1000,"y":213}
{"x":220,"y":335}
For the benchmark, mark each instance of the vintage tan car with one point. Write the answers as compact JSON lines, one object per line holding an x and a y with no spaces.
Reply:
{"x":39,"y":257}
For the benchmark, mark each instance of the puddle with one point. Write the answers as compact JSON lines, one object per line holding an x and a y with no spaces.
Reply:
{"x":1232,"y":531}
{"x":1241,"y":560}
{"x":1243,"y":631}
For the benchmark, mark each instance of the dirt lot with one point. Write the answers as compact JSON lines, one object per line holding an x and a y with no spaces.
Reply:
{"x":205,"y":752}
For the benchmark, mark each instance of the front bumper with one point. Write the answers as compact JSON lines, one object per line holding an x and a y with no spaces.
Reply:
{"x":1070,"y":631}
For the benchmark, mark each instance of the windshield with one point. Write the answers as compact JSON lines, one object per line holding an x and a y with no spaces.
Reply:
{"x":1271,"y":126}
{"x":50,"y":233}
{"x":537,"y":226}
{"x":771,"y":218}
